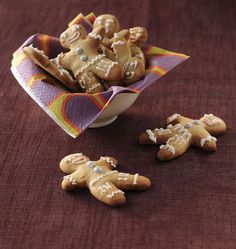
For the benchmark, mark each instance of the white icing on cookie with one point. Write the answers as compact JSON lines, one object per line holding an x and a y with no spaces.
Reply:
{"x":115,"y":193}
{"x":102,"y":176}
{"x":89,"y":63}
{"x":173,"y":117}
{"x":110,"y":68}
{"x":123,"y":176}
{"x":117,"y":43}
{"x":101,"y":69}
{"x":78,"y":159}
{"x":188,"y":125}
{"x":182,"y":134}
{"x":151,"y":135}
{"x":75,"y":27}
{"x":207,"y":139}
{"x":104,"y":187}
{"x":135,"y":179}
{"x":168,"y":147}
{"x":64,"y":72}
{"x":70,"y":179}
{"x":162,"y":131}
{"x":108,"y":160}
{"x":210,"y":120}
{"x":74,"y":37}
{"x":95,"y":36}
{"x":90,"y":89}
{"x":129,"y":74}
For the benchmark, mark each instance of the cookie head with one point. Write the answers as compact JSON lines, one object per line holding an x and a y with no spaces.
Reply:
{"x":72,"y":35}
{"x":138,"y":36}
{"x":72,"y":162}
{"x":109,"y":22}
{"x":134,"y":70}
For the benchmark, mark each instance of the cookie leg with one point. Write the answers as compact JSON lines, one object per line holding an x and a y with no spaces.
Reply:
{"x":74,"y":181}
{"x":108,"y":70}
{"x":172,"y":149}
{"x":108,"y":193}
{"x":206,"y":142}
{"x":213,"y":124}
{"x":134,"y":70}
{"x":90,"y":83}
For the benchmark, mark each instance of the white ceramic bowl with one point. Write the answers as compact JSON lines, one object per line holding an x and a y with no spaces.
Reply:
{"x":119,"y":104}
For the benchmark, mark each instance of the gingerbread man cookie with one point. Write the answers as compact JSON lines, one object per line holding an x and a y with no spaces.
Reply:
{"x":134,"y":68}
{"x":183,"y":132}
{"x":88,"y":66}
{"x":53,"y":68}
{"x":138,"y":37}
{"x":103,"y":182}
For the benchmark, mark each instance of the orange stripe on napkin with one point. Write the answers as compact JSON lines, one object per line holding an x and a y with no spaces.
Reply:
{"x":35,"y":78}
{"x":76,"y":20}
{"x":157,"y":70}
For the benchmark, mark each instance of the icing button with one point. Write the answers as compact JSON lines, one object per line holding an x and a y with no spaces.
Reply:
{"x":83,"y":57}
{"x":90,"y":164}
{"x":79,"y":50}
{"x":97,"y":169}
{"x":196,"y":122}
{"x":187,"y":126}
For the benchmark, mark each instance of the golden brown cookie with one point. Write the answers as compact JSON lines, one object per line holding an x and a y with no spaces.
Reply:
{"x":88,"y":66}
{"x":183,"y":132}
{"x":138,"y":37}
{"x":134,"y":68}
{"x":40,"y":59}
{"x":103,"y":182}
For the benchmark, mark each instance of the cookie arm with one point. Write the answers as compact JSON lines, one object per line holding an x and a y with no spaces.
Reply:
{"x":62,"y":60}
{"x":108,"y":162}
{"x":96,"y":36}
{"x":204,"y":140}
{"x":157,"y":136}
{"x":137,"y":52}
{"x":75,"y":180}
{"x":127,"y":181}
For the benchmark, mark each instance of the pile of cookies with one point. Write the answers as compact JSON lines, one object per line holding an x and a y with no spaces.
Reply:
{"x":95,"y":61}
{"x":105,"y":57}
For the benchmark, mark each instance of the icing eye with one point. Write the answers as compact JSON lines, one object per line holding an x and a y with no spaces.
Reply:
{"x":75,"y":28}
{"x":127,"y":73}
{"x":108,"y":24}
{"x":63,"y":36}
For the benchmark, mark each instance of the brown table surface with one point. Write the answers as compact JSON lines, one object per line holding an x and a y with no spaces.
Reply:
{"x":192,"y":200}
